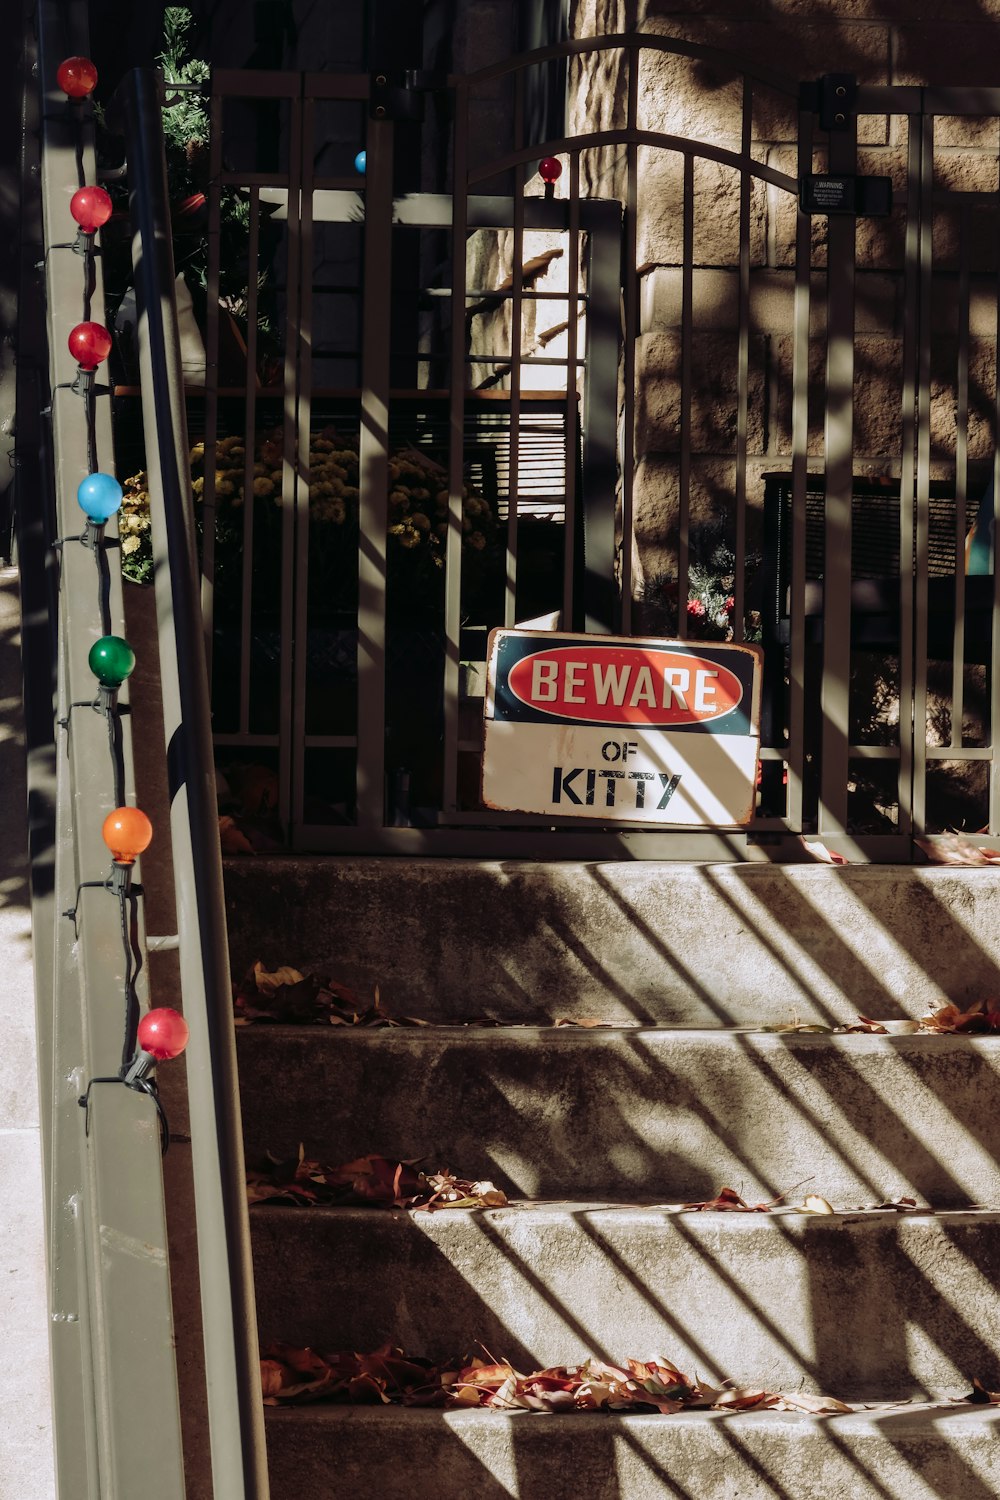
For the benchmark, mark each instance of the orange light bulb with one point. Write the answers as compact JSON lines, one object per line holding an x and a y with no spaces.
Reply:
{"x":127,"y":832}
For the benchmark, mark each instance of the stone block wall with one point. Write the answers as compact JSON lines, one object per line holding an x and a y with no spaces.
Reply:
{"x":881,"y":42}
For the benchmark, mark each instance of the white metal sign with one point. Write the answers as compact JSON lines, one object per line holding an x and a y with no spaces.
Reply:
{"x":622,"y":730}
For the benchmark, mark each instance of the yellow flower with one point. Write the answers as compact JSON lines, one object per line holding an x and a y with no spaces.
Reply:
{"x":198,"y":485}
{"x":420,"y":521}
{"x":197,"y":453}
{"x":476,"y":541}
{"x":262,"y":486}
{"x":130,"y":544}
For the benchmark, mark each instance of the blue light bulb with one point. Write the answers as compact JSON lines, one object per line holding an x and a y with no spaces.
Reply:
{"x":99,"y":497}
{"x":361,"y":162}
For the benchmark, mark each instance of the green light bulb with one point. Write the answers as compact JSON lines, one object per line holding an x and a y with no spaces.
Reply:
{"x":111,"y":660}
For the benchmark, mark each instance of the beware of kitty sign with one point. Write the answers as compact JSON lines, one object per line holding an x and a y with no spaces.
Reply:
{"x":622,"y":730}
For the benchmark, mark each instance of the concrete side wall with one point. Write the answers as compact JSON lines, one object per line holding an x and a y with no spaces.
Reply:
{"x":26,"y":1458}
{"x":696,"y":945}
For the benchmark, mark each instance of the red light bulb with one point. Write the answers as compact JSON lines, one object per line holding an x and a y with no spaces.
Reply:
{"x":77,"y":77}
{"x":163,"y":1033}
{"x":550,"y":169}
{"x":127,"y":832}
{"x":89,"y":343}
{"x":90,"y":207}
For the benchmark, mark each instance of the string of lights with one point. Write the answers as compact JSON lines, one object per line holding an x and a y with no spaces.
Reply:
{"x":161,"y":1034}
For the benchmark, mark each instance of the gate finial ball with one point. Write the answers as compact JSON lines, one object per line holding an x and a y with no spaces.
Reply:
{"x":550,"y":169}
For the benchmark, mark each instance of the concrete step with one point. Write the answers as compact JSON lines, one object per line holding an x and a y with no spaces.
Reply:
{"x":649,"y":1113}
{"x":698,"y":945}
{"x":940,"y":1453}
{"x":861,"y":1307}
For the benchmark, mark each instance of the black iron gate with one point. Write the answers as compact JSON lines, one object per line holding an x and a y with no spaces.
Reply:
{"x":390,"y":464}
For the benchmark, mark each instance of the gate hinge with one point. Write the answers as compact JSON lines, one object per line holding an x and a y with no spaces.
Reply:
{"x":400,"y":96}
{"x":833,"y":97}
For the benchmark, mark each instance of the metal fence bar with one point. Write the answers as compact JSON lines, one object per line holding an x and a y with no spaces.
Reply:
{"x":249,"y":443}
{"x":290,"y":753}
{"x":239,"y":1464}
{"x":994,"y":672}
{"x":839,"y":451}
{"x":630,"y":333}
{"x":961,"y":477}
{"x":800,"y":447}
{"x":600,"y":451}
{"x":687,"y":341}
{"x":911,"y":340}
{"x":574,"y":304}
{"x":924,"y":272}
{"x":301,"y":332}
{"x":109,"y":1275}
{"x":373,"y":466}
{"x":456,"y":446}
{"x":743,"y":374}
{"x":213,"y":311}
{"x":516,"y":352}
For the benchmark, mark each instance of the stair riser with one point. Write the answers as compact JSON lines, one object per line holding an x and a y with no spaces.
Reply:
{"x":885,"y":1307}
{"x":664,"y":1115}
{"x":381,"y":1454}
{"x":698,"y":945}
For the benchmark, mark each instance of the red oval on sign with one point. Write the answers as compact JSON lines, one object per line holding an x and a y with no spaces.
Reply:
{"x":625,"y":685}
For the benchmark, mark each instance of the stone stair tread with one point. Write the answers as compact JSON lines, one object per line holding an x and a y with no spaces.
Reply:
{"x":924,"y":1452}
{"x":647,"y":940}
{"x":849,"y":1305}
{"x":659,"y":1113}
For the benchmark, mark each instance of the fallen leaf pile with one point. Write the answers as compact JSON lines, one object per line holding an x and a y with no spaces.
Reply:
{"x":286,"y":996}
{"x":368,"y":1182}
{"x":388,"y":1376}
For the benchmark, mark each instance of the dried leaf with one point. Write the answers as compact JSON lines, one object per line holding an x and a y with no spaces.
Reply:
{"x":980,"y":1396}
{"x":814,"y":1204}
{"x":728,"y":1200}
{"x":232,"y":839}
{"x":826,"y":856}
{"x":954,"y":849}
{"x":805,"y":1401}
{"x":590,"y":1022}
{"x":982,"y":1017}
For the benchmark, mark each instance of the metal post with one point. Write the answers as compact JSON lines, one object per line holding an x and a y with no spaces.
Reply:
{"x":239,"y":1466}
{"x":839,"y":449}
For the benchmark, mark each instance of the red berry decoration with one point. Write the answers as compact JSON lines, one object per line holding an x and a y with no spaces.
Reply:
{"x":550,"y":169}
{"x":89,"y":343}
{"x":90,"y":207}
{"x":77,"y":77}
{"x":163,"y":1033}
